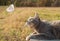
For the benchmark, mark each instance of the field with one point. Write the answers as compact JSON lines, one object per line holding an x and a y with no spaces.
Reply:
{"x":12,"y":24}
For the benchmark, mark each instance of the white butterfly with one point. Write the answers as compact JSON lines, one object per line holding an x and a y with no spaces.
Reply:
{"x":10,"y":8}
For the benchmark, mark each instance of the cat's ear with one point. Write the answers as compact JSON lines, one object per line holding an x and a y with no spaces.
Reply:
{"x":36,"y":16}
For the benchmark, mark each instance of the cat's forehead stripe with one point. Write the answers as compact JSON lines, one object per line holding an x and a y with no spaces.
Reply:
{"x":30,"y":18}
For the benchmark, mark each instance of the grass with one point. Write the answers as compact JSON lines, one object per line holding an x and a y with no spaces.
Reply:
{"x":11,"y":24}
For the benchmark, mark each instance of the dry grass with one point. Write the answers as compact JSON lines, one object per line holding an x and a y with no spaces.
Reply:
{"x":11,"y":24}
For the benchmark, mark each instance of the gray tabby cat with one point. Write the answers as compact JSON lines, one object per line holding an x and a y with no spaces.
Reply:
{"x":43,"y":30}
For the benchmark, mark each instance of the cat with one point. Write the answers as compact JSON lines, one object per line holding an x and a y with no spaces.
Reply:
{"x":43,"y":30}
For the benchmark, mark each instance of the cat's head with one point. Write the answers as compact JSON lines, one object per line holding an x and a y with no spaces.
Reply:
{"x":33,"y":21}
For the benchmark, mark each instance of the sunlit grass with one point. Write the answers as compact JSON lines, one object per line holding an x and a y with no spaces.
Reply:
{"x":12,"y":24}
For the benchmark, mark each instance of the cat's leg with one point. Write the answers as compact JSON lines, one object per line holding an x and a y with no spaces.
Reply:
{"x":34,"y":35}
{"x":28,"y":37}
{"x":41,"y":36}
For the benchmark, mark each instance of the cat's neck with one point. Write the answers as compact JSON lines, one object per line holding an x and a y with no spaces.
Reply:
{"x":41,"y":27}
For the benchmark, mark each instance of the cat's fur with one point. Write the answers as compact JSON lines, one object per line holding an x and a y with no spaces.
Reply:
{"x":43,"y":30}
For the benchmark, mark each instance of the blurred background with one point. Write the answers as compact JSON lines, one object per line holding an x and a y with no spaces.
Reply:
{"x":12,"y":23}
{"x":31,"y":3}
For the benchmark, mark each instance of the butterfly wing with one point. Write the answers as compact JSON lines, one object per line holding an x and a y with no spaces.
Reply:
{"x":10,"y":8}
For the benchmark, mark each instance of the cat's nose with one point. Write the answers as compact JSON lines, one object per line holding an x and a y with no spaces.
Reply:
{"x":25,"y":24}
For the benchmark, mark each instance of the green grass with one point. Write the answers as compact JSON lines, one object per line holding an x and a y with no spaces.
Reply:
{"x":11,"y":24}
